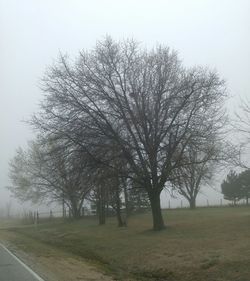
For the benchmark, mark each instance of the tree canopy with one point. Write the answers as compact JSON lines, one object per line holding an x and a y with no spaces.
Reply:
{"x":236,"y":186}
{"x":120,"y":102}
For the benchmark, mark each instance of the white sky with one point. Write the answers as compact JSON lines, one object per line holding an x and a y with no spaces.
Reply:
{"x":32,"y":32}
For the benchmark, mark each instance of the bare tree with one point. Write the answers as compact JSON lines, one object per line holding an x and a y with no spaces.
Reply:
{"x":109,"y":186}
{"x":46,"y":171}
{"x":146,"y":102}
{"x":243,"y":118}
{"x":197,"y":172}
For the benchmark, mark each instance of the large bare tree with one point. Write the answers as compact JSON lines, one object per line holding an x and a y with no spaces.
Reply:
{"x":144,"y":101}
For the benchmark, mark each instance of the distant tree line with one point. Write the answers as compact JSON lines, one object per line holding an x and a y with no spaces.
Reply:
{"x":120,"y":124}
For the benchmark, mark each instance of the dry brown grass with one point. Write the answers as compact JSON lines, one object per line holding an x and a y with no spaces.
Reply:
{"x":208,"y":244}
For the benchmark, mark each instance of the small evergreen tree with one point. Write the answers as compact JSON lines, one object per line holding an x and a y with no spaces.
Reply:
{"x":230,"y":187}
{"x":244,"y":182}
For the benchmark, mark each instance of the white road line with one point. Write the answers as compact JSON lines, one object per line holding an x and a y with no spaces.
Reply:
{"x":23,"y":264}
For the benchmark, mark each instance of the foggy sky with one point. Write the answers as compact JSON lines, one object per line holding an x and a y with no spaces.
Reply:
{"x":32,"y":32}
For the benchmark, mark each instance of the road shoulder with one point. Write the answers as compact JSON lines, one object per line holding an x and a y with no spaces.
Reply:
{"x":50,"y":263}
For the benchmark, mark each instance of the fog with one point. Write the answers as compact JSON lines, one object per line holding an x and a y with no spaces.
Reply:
{"x":208,"y":32}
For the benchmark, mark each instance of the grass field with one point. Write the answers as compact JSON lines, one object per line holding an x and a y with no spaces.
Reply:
{"x":208,"y":244}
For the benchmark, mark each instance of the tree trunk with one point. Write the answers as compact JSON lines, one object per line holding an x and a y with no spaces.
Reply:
{"x":158,"y":223}
{"x":126,"y":200}
{"x":63,"y":207}
{"x":247,"y":200}
{"x":101,"y":204}
{"x":75,"y":207}
{"x":101,"y":213}
{"x":75,"y":211}
{"x":192,"y":203}
{"x":120,"y":219}
{"x":234,"y":202}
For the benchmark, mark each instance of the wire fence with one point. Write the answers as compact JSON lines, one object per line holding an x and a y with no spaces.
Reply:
{"x":183,"y":204}
{"x":35,"y":217}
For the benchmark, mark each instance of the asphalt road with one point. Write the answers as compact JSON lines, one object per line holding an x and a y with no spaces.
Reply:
{"x":12,"y":269}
